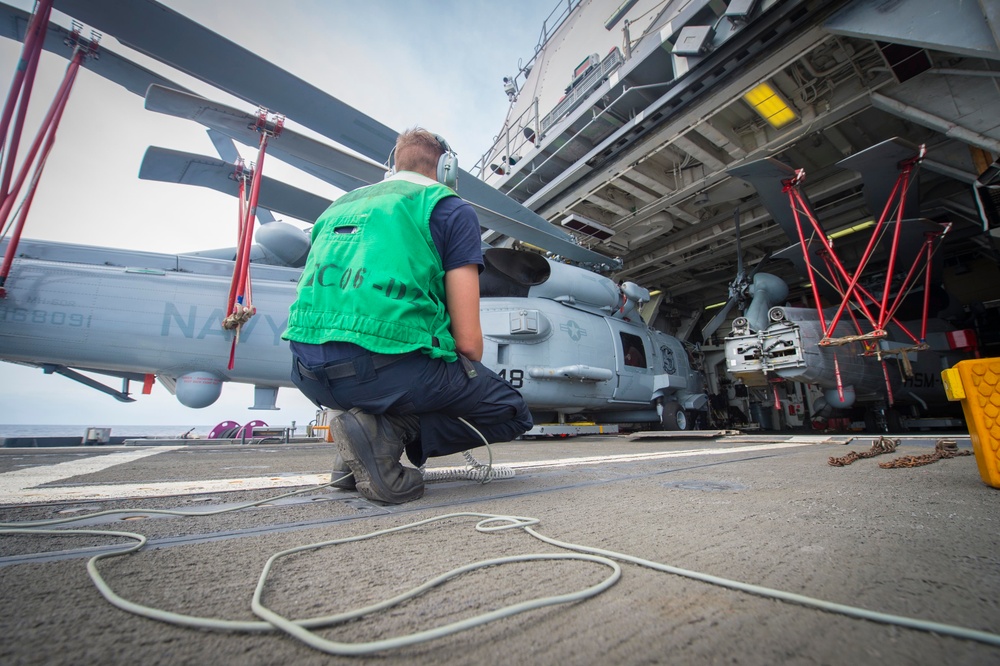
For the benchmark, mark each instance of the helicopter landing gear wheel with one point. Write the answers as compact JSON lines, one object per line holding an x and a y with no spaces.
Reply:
{"x":673,"y":417}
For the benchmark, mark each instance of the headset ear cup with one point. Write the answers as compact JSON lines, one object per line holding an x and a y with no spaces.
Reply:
{"x":447,"y":166}
{"x":447,"y":170}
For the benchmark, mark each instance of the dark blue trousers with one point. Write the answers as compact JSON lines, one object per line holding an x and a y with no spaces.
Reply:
{"x":437,"y":391}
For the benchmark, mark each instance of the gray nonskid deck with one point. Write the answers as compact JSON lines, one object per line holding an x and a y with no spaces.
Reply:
{"x":919,"y":542}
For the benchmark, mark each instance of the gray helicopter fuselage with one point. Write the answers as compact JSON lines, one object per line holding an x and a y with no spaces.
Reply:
{"x":573,"y":361}
{"x":575,"y":343}
{"x":139,"y":313}
{"x":136,"y":312}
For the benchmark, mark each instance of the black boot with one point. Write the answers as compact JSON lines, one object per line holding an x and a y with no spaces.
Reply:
{"x":340,"y":471}
{"x":372,"y":449}
{"x":407,"y":426}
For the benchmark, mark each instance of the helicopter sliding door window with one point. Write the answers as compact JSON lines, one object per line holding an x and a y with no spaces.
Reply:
{"x":633,"y":350}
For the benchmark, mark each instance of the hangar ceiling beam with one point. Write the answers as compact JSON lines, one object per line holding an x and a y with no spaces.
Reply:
{"x":967,"y":28}
{"x":936,"y":123}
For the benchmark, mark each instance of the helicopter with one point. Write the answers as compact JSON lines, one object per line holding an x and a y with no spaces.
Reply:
{"x":570,"y":339}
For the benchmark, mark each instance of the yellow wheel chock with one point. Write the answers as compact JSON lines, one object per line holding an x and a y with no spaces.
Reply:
{"x":975,"y":384}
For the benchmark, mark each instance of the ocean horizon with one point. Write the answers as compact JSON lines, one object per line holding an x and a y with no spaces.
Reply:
{"x":73,"y":430}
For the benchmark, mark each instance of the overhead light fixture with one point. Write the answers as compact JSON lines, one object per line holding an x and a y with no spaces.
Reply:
{"x":771,"y":106}
{"x":713,"y":306}
{"x":850,"y":230}
{"x":584,"y":225}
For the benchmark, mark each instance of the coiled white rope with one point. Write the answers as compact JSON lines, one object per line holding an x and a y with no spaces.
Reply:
{"x":488,"y":523}
{"x":301,"y":632}
{"x":300,"y":629}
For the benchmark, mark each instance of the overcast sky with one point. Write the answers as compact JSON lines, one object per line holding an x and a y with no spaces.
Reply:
{"x":434,"y":63}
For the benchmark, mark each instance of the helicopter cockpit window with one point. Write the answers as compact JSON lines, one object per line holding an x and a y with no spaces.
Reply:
{"x":635,"y":354}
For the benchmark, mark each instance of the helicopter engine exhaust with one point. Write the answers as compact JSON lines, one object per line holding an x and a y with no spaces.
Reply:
{"x":511,"y":273}
{"x":286,"y":242}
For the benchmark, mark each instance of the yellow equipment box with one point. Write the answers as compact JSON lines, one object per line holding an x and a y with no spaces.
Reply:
{"x":974,"y":383}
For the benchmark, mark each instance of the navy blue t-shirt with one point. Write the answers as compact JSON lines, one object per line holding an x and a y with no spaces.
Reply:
{"x":455,"y":231}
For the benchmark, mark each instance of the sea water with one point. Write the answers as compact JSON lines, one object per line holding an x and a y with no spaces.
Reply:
{"x":173,"y":431}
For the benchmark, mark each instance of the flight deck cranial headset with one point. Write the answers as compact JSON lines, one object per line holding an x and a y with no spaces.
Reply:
{"x":447,"y":165}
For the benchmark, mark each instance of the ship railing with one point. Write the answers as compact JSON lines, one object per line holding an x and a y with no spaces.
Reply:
{"x":524,"y":133}
{"x":525,"y":128}
{"x":517,"y":137}
{"x":582,"y":89}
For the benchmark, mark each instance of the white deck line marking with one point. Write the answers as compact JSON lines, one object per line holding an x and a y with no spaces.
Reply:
{"x":635,"y":457}
{"x":25,"y":491}
{"x":156,"y":489}
{"x":41,"y":474}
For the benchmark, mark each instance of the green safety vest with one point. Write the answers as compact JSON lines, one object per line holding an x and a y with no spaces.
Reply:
{"x":373,"y":276}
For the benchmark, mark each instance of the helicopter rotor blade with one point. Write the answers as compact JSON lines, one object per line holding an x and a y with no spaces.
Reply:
{"x":224,"y":145}
{"x":759,"y":265}
{"x":712,"y":326}
{"x":226,"y":148}
{"x":111,"y":66}
{"x":174,"y":166}
{"x":739,"y":246}
{"x":240,"y":125}
{"x":150,"y":28}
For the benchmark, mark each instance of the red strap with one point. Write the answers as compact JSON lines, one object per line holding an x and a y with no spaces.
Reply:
{"x":46,"y":137}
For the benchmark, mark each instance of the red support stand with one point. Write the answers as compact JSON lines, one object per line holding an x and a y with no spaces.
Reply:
{"x":240,"y":303}
{"x":20,"y":88}
{"x":885,"y":313}
{"x":854,"y":291}
{"x":43,"y":143}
